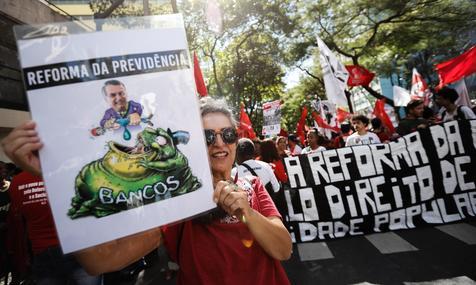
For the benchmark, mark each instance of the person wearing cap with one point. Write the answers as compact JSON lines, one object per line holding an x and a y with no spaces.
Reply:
{"x":446,"y":98}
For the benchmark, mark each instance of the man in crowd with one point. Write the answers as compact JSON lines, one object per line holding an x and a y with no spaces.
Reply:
{"x":294,"y":147}
{"x":446,"y":98}
{"x":413,"y":120}
{"x":361,"y":135}
{"x":247,"y":165}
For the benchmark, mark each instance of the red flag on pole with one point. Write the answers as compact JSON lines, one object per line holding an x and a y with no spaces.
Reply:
{"x":300,"y":128}
{"x":379,"y":112}
{"x":245,"y":129}
{"x":323,"y":124}
{"x":199,"y":82}
{"x":342,"y":115}
{"x":457,"y":68}
{"x":358,"y":75}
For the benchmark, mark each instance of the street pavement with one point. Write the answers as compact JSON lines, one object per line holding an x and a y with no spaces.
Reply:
{"x":419,"y":256}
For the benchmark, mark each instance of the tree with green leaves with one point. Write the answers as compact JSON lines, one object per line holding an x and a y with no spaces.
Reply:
{"x":250,"y":74}
{"x":384,"y":34}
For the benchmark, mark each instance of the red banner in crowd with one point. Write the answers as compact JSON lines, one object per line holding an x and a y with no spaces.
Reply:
{"x":300,"y":128}
{"x":457,"y":68}
{"x":199,"y":82}
{"x":245,"y":129}
{"x":358,"y":76}
{"x":379,"y":112}
{"x":323,"y":124}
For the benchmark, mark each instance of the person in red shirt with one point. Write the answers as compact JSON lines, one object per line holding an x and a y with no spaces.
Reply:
{"x":269,"y":154}
{"x":50,"y":266}
{"x":241,"y":242}
{"x":379,"y":129}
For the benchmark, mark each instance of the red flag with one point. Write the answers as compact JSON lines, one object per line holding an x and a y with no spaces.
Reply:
{"x":358,"y":75}
{"x":419,"y":88}
{"x":323,"y":124}
{"x":342,"y":115}
{"x":245,"y":129}
{"x":457,"y":68}
{"x":283,"y":133}
{"x":197,"y":72}
{"x":300,"y":128}
{"x":379,"y":112}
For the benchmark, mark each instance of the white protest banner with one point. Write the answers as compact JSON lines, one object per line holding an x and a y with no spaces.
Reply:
{"x":335,"y":75}
{"x":124,"y":149}
{"x":271,"y":118}
{"x":401,"y":96}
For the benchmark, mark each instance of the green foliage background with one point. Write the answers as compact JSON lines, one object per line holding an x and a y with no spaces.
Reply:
{"x":260,"y":40}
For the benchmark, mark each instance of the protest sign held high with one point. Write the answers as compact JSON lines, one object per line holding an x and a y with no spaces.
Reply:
{"x":425,"y":177}
{"x":272,"y":118}
{"x":120,"y":155}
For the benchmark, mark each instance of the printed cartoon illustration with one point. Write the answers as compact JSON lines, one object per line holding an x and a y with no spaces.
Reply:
{"x":128,"y":177}
{"x":122,"y":113}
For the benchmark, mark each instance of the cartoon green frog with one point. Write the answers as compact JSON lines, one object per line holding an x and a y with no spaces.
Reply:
{"x":129,"y":177}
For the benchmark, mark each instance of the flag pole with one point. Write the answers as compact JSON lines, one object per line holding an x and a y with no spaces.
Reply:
{"x":349,"y":102}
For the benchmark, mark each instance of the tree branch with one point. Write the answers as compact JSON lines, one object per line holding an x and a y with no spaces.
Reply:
{"x":109,"y":10}
{"x":311,"y":75}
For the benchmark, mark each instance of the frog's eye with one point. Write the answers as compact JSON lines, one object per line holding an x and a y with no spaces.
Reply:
{"x":161,"y":140}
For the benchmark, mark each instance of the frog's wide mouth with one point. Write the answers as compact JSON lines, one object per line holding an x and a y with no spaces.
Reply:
{"x":124,"y":161}
{"x":138,"y":149}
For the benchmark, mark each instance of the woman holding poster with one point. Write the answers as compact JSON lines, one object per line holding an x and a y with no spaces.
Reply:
{"x":239,"y":243}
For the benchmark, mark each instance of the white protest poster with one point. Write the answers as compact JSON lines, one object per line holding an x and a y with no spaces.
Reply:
{"x":271,"y":118}
{"x":116,"y":110}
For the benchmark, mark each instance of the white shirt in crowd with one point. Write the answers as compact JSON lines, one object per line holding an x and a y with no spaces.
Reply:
{"x":465,"y":110}
{"x":297,"y":150}
{"x":263,"y":170}
{"x":308,"y":149}
{"x":356,"y":139}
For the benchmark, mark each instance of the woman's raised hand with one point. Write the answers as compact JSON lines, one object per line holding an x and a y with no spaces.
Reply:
{"x":231,"y":198}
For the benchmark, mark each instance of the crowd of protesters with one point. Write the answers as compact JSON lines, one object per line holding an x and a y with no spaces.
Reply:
{"x":30,"y":247}
{"x":362,"y":130}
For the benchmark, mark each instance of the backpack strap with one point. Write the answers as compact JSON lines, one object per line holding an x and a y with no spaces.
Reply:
{"x":268,"y":186}
{"x":249,"y":169}
{"x":460,"y":113}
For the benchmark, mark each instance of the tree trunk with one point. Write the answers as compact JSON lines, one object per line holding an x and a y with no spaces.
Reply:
{"x":174,"y":6}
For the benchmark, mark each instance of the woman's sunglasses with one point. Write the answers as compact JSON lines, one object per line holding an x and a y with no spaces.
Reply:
{"x":228,"y":135}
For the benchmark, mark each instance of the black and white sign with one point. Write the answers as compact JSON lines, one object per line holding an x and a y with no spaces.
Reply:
{"x":425,"y":177}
